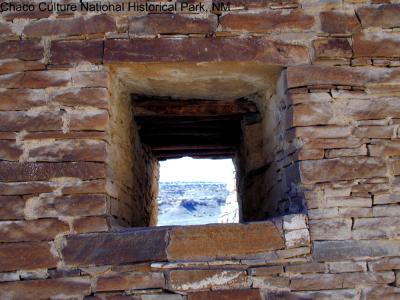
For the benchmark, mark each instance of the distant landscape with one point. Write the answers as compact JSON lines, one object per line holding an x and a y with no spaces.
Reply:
{"x":192,"y":203}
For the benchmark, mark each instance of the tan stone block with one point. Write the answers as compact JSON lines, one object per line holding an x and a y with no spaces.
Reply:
{"x":376,"y":45}
{"x":327,"y":132}
{"x":152,"y":24}
{"x":347,"y":266}
{"x":90,"y":224}
{"x":386,"y":211}
{"x":67,"y":150}
{"x":126,"y":281}
{"x":351,"y":280}
{"x":75,"y":287}
{"x":220,"y":241}
{"x":267,"y":22}
{"x":355,"y":212}
{"x":386,"y":292}
{"x":294,"y":221}
{"x":95,"y":97}
{"x":332,"y":153}
{"x":74,"y":205}
{"x":297,"y":238}
{"x":26,"y":231}
{"x":323,"y":213}
{"x":67,"y":52}
{"x":345,"y":168}
{"x":384,"y":16}
{"x":13,"y":171}
{"x":88,"y":120}
{"x":271,"y":283}
{"x":348,"y":201}
{"x":375,"y":132}
{"x":307,"y":154}
{"x":347,"y":294}
{"x":90,"y":79}
{"x":21,"y":49}
{"x":312,"y":282}
{"x":332,"y":49}
{"x":186,"y":280}
{"x":333,"y":22}
{"x":384,"y":264}
{"x":384,"y":148}
{"x":340,"y":143}
{"x":26,"y":256}
{"x":12,"y":207}
{"x":60,"y":135}
{"x":332,"y":229}
{"x":242,"y":294}
{"x":315,"y":114}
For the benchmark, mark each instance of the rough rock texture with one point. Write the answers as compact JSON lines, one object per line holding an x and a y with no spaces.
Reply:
{"x":318,"y":165}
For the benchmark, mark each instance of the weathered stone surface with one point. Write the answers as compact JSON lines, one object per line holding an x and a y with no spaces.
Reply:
{"x":5,"y":29}
{"x":66,"y":52}
{"x":23,"y":50}
{"x":376,"y":132}
{"x":386,"y":211}
{"x":379,"y":227}
{"x":339,"y":23}
{"x":9,"y":151}
{"x":88,"y":120}
{"x":351,"y":249}
{"x":332,"y":229}
{"x":266,"y":271}
{"x":273,"y":4}
{"x":65,"y":27}
{"x":347,"y":294}
{"x":297,"y":238}
{"x":315,"y":114}
{"x":294,"y":222}
{"x":245,"y":294}
{"x":35,"y":121}
{"x":90,"y":79}
{"x":205,"y":49}
{"x":117,"y":248}
{"x":171,"y":24}
{"x":344,"y":168}
{"x":386,"y":292}
{"x":74,"y":205}
{"x":340,"y":143}
{"x":312,"y":282}
{"x":92,"y":186}
{"x":26,"y":256}
{"x":15,"y":65}
{"x":332,"y":48}
{"x":384,"y":264}
{"x":186,"y":280}
{"x":94,"y":97}
{"x":12,"y":207}
{"x":60,"y":135}
{"x":46,"y":289}
{"x":327,"y":132}
{"x":13,"y":171}
{"x":68,"y":150}
{"x":351,"y":280}
{"x":126,"y":281}
{"x":385,"y":148}
{"x":307,"y":268}
{"x":267,"y":22}
{"x":348,"y":201}
{"x":220,"y":241}
{"x":384,"y":16}
{"x":270,"y":283}
{"x":90,"y":224}
{"x":25,"y":188}
{"x":38,"y":230}
{"x":35,"y":79}
{"x":347,"y":266}
{"x":386,"y":199}
{"x":332,"y":153}
{"x":21,"y":99}
{"x":376,"y":45}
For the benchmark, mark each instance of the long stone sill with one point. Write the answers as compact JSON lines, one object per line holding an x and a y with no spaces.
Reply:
{"x":174,"y":243}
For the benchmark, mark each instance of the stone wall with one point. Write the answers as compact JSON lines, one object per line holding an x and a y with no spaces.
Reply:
{"x":335,"y":156}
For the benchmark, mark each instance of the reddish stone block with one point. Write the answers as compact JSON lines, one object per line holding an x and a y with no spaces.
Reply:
{"x":66,"y":52}
{"x":95,"y":97}
{"x":376,"y":45}
{"x":28,"y":231}
{"x":70,"y":288}
{"x":21,"y":99}
{"x":171,"y":24}
{"x":25,"y":188}
{"x":92,"y":186}
{"x":22,"y":49}
{"x":339,"y":23}
{"x":88,"y":120}
{"x":276,"y":4}
{"x":20,"y":120}
{"x":125,"y":281}
{"x":26,"y":256}
{"x":35,"y":14}
{"x":9,"y":151}
{"x":90,"y":224}
{"x":205,"y":49}
{"x":15,"y":65}
{"x":74,"y":26}
{"x":245,"y":294}
{"x":332,"y":48}
{"x":220,"y":241}
{"x":267,"y":22}
{"x":384,"y":16}
{"x":90,"y":79}
{"x":12,"y":207}
{"x":60,"y":135}
{"x":134,"y":245}
{"x":35,"y":79}
{"x":14,"y":171}
{"x":345,"y":168}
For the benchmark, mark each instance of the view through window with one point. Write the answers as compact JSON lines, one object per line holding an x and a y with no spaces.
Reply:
{"x":197,"y":191}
